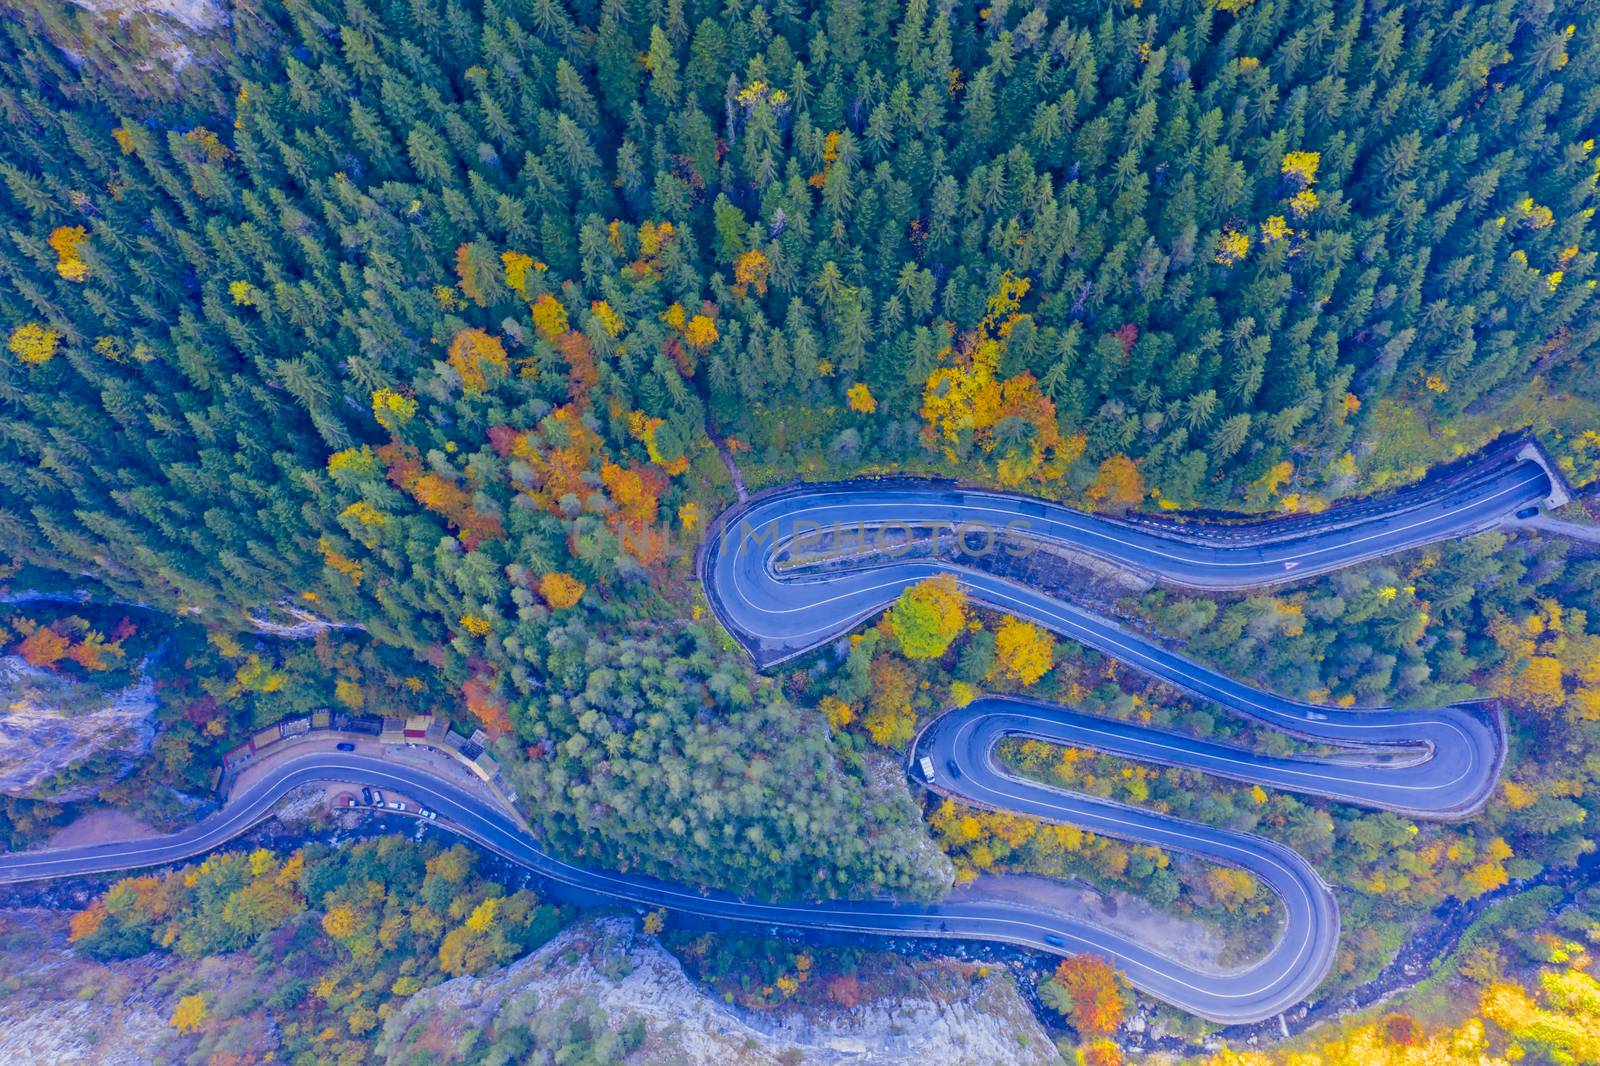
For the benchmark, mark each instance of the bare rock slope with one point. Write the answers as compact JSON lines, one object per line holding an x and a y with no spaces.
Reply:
{"x":627,"y":978}
{"x":50,"y":723}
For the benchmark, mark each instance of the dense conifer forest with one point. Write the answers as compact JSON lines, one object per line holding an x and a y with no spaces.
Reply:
{"x":448,"y":322}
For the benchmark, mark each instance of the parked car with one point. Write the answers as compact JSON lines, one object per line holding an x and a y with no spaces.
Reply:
{"x":366,"y":796}
{"x":428,"y":813}
{"x":345,"y":745}
{"x":397,"y":806}
{"x":377,"y":799}
{"x":1527,"y":512}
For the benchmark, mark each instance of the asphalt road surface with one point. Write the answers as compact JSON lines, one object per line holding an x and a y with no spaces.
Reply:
{"x":1435,"y":764}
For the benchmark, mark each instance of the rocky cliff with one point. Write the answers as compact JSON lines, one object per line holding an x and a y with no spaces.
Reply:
{"x":606,"y":969}
{"x":51,"y":723}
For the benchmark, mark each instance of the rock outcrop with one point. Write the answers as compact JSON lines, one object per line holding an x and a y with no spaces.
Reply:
{"x":629,"y":979}
{"x":50,"y":723}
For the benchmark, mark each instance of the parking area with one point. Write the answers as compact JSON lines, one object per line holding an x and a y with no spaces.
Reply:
{"x":436,"y":762}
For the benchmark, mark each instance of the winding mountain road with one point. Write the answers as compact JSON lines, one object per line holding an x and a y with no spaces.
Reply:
{"x":771,"y":593}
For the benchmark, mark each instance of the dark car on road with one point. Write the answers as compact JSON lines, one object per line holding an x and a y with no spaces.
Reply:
{"x":1527,"y":512}
{"x":1054,"y":941}
{"x":345,"y":745}
{"x":950,"y":764}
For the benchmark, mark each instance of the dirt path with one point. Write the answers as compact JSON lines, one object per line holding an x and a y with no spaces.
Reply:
{"x":1193,"y":943}
{"x":1561,"y":527}
{"x":100,"y":827}
{"x":727,"y":461}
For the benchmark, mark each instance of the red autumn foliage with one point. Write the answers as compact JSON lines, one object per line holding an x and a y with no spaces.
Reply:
{"x":582,"y":373}
{"x":438,"y":494}
{"x":1127,"y":336}
{"x":202,"y":710}
{"x":485,"y":706}
{"x":681,"y":357}
{"x":1402,"y":1030}
{"x":503,"y":439}
{"x":846,"y":991}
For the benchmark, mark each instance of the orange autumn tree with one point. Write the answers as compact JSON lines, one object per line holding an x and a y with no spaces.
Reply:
{"x":474,"y":353}
{"x":69,"y":639}
{"x":87,"y":922}
{"x":479,"y":696}
{"x":1117,"y":483}
{"x":560,"y":452}
{"x":751,"y":270}
{"x":890,"y":721}
{"x":43,"y":647}
{"x":438,"y":494}
{"x":1086,"y":990}
{"x":635,"y":494}
{"x":582,"y":372}
{"x":467,"y":273}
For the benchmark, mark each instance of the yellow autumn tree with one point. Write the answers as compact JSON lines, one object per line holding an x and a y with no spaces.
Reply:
{"x":339,"y":921}
{"x":349,"y":693}
{"x":1536,"y":683}
{"x":751,"y":269}
{"x":967,"y":405}
{"x":928,"y":616}
{"x":608,"y":318}
{"x":33,"y":343}
{"x":837,"y":711}
{"x":517,"y":265}
{"x":1574,"y":1035}
{"x":549,"y":317}
{"x":1301,"y":167}
{"x":1230,"y":887}
{"x":473,"y":353}
{"x":560,"y":590}
{"x":701,"y":332}
{"x":1232,"y":246}
{"x":189,"y":1013}
{"x":392,"y":409}
{"x":66,"y":240}
{"x":890,"y":720}
{"x":861,"y":398}
{"x":1023,"y":651}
